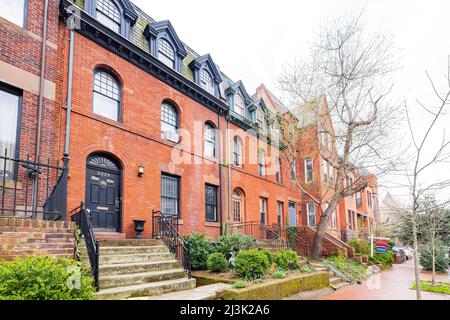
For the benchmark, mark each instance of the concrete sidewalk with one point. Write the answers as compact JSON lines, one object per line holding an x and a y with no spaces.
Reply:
{"x":393,"y":284}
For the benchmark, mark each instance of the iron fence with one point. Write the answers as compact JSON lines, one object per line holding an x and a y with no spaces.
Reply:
{"x":32,"y":189}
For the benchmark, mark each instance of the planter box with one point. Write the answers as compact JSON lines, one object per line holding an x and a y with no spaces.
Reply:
{"x":279,"y":288}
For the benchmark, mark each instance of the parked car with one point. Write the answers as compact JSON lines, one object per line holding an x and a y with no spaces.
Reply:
{"x":407,"y":250}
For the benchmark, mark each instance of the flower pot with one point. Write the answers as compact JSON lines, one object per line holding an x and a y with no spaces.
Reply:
{"x":139,"y":228}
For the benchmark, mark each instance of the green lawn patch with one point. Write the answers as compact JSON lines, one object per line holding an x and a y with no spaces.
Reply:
{"x":441,"y":287}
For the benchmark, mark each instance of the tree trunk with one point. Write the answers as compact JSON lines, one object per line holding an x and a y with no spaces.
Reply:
{"x":416,"y":260}
{"x":316,"y":250}
{"x":433,"y":260}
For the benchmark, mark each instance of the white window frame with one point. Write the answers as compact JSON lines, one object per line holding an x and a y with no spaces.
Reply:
{"x":263,"y":209}
{"x":309,"y":206}
{"x":307,"y":180}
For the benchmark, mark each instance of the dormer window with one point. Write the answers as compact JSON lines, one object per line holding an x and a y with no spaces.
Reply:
{"x":206,"y":81}
{"x":165,"y":53}
{"x":260,"y":119}
{"x":164,"y":44}
{"x":238,"y":104}
{"x":108,"y":14}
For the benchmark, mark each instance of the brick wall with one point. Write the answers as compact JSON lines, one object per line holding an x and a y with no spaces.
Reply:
{"x":20,"y":238}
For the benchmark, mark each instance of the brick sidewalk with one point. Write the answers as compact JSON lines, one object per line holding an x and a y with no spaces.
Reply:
{"x":392,"y":284}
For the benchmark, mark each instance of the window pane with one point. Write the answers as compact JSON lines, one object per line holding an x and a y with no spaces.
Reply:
{"x":165,"y":53}
{"x":105,"y":106}
{"x":13,"y":11}
{"x":239,"y":104}
{"x":106,"y":95}
{"x":210,"y":141}
{"x":169,"y":195}
{"x":211,"y":203}
{"x":169,"y":122}
{"x":9,"y":106}
{"x":206,"y":81}
{"x":108,"y":14}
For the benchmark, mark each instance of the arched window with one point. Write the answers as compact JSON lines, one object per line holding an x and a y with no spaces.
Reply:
{"x":237,"y":151}
{"x":206,"y":81}
{"x":169,"y":122}
{"x":210,"y":141}
{"x":108,"y":14}
{"x":261,"y":163}
{"x":238,"y":205}
{"x":166,"y":53}
{"x":239,"y":104}
{"x":106,"y":95}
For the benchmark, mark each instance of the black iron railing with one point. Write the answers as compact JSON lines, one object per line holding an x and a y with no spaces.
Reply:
{"x":82,"y":217}
{"x":166,"y":228}
{"x":292,"y":238}
{"x":259,"y":231}
{"x":31,"y":189}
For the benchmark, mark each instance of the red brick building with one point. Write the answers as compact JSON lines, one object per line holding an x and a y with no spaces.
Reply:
{"x":150,"y":125}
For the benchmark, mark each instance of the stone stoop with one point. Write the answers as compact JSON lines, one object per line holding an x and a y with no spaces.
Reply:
{"x":137,"y":268}
{"x":23,"y":237}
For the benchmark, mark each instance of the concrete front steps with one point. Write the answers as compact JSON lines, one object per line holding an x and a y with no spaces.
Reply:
{"x":137,"y":268}
{"x":336,"y":282}
{"x":24,"y":237}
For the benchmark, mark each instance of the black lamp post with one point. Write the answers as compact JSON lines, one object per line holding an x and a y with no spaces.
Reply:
{"x":139,"y":228}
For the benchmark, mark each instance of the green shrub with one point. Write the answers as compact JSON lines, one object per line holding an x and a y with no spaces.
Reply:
{"x":217,"y":262}
{"x":350,"y":268}
{"x":44,"y":278}
{"x":234,"y":243}
{"x":251,"y":264}
{"x":200,"y":249}
{"x":268,"y":254}
{"x":385,"y":259}
{"x":360,"y":246}
{"x":279,"y":274}
{"x":441,"y":261}
{"x":286,"y":260}
{"x":239,"y":284}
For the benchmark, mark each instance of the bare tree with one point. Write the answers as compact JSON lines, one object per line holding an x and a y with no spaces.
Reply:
{"x":346,"y":79}
{"x":424,"y":160}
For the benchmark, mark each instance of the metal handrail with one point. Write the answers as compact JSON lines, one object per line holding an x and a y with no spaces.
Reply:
{"x":260,"y":231}
{"x":165,"y":228}
{"x":82,"y":217}
{"x":299,"y":242}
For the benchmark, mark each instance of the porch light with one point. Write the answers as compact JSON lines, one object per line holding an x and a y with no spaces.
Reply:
{"x":141,"y":170}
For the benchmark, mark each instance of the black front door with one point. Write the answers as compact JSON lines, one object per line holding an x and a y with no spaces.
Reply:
{"x":103,"y":195}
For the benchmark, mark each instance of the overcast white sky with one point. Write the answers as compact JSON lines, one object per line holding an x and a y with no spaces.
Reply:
{"x":252,"y":39}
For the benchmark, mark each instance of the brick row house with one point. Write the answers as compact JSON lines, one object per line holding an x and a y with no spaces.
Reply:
{"x":144,"y":123}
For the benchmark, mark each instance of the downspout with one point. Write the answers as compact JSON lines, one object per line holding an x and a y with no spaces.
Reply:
{"x":69,"y":93}
{"x":229,"y":173}
{"x":42,"y":81}
{"x":220,"y":173}
{"x":40,"y":104}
